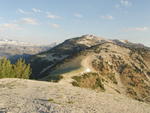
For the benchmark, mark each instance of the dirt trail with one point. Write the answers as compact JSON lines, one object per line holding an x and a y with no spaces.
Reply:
{"x":85,"y":67}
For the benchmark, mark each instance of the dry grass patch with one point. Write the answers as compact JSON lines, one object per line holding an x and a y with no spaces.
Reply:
{"x":89,"y":80}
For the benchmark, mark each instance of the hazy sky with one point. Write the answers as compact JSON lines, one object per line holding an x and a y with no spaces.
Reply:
{"x":46,"y":21}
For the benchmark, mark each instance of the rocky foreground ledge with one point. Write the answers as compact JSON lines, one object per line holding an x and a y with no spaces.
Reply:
{"x":27,"y":96}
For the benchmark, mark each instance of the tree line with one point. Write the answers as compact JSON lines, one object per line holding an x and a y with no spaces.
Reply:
{"x":18,"y":70}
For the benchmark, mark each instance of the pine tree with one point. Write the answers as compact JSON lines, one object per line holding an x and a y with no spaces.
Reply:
{"x":21,"y":69}
{"x":5,"y":68}
{"x":18,"y":70}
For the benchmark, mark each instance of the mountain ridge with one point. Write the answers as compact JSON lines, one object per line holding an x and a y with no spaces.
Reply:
{"x":75,"y":45}
{"x":120,"y":67}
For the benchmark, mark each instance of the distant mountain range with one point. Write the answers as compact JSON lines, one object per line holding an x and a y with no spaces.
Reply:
{"x":16,"y":49}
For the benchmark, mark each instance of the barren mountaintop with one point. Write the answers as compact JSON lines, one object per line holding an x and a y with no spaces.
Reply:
{"x":41,"y":62}
{"x":117,"y":66}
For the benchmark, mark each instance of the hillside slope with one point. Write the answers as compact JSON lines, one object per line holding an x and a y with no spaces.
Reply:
{"x":42,"y":97}
{"x":97,"y":63}
{"x":120,"y":69}
{"x":41,"y":63}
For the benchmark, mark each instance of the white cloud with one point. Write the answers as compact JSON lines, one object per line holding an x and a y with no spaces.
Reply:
{"x":31,"y":21}
{"x":36,"y":10}
{"x":78,"y":15}
{"x":32,"y":11}
{"x":22,"y":11}
{"x":125,"y":2}
{"x":9,"y":26}
{"x":55,"y":25}
{"x":52,"y":16}
{"x":107,"y":17}
{"x":136,"y":29}
{"x":141,"y":29}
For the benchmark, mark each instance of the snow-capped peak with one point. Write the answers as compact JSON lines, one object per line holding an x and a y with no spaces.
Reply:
{"x":13,"y":42}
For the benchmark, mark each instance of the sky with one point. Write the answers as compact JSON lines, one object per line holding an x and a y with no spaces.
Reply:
{"x":48,"y":21}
